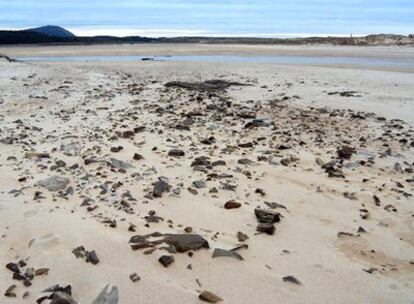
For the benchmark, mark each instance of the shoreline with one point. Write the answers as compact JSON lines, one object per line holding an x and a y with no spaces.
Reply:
{"x":206,"y":49}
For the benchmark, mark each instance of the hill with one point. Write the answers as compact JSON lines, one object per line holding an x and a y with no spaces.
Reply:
{"x":54,"y":31}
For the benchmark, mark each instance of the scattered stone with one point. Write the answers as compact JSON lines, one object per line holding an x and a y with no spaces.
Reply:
{"x":166,"y":260}
{"x":292,"y":279}
{"x":218,"y":252}
{"x":160,"y":187}
{"x":10,"y":291}
{"x":138,"y":156}
{"x":176,"y":153}
{"x":54,"y":183}
{"x":134,"y":277}
{"x":36,"y":154}
{"x":345,"y":152}
{"x":181,"y":242}
{"x":209,"y":297}
{"x":232,"y":205}
{"x":108,"y":296}
{"x":242,"y":237}
{"x":88,"y":256}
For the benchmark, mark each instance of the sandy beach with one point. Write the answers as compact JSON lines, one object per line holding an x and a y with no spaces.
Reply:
{"x":270,"y":184}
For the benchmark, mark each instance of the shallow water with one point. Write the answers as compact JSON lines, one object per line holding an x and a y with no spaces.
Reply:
{"x":283,"y":59}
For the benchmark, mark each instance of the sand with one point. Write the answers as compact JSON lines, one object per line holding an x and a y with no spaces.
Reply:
{"x":83,"y":108}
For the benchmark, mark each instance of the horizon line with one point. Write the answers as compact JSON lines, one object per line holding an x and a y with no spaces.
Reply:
{"x":168,"y":33}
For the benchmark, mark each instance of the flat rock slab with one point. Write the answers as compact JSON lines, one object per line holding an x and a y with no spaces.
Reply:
{"x":181,"y":242}
{"x":108,"y":296}
{"x":54,"y":183}
{"x":208,"y":85}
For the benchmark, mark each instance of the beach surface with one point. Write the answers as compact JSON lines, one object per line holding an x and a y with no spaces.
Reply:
{"x":271,"y":184}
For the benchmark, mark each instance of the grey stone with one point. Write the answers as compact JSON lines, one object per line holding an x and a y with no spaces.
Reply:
{"x":54,"y":183}
{"x":108,"y":296}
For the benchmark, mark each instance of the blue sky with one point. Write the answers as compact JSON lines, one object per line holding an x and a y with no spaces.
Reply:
{"x":214,"y":17}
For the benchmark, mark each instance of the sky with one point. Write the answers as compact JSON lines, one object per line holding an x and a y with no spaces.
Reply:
{"x":261,"y":18}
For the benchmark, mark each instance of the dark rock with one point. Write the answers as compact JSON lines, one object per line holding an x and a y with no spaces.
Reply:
{"x":291,"y":279}
{"x":128,"y":134}
{"x":138,"y":156}
{"x":166,"y":260}
{"x":181,"y":242}
{"x":208,"y":85}
{"x":232,"y":205}
{"x":13,"y":267}
{"x":160,"y":187}
{"x":176,"y":153}
{"x":92,"y":257}
{"x":218,"y":252}
{"x":134,"y":277}
{"x":246,"y":145}
{"x":264,"y":216}
{"x":241,"y":237}
{"x":267,"y":228}
{"x":209,"y":297}
{"x":345,"y":152}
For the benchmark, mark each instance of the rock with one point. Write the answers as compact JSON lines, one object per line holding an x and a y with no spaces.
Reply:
{"x":10,"y":292}
{"x":36,"y":154}
{"x":218,"y":163}
{"x":120,"y":164}
{"x":88,"y":256}
{"x":140,"y":129}
{"x":134,"y":277}
{"x":345,"y":152}
{"x":128,"y":134}
{"x":208,"y":85}
{"x":116,"y":149}
{"x":192,"y":191}
{"x":62,"y":298}
{"x":108,"y":296}
{"x":54,"y":183}
{"x":342,"y":234}
{"x":242,"y":237}
{"x":199,"y":184}
{"x":398,"y":168}
{"x":181,"y":242}
{"x":273,"y":205}
{"x":245,"y":161}
{"x":255,"y":123}
{"x":166,"y":260}
{"x":137,"y":156}
{"x":232,"y":205}
{"x":176,"y":153}
{"x":186,"y":242}
{"x":209,"y":297}
{"x":264,"y":216}
{"x":361,"y":230}
{"x":92,"y":257}
{"x":13,"y":267}
{"x":41,"y":271}
{"x":285,"y":162}
{"x":159,"y":188}
{"x":267,"y":228}
{"x":291,"y":279}
{"x":246,"y":145}
{"x":218,"y":252}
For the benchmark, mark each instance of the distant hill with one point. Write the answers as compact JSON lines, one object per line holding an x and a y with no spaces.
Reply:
{"x":58,"y":35}
{"x":54,"y":31}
